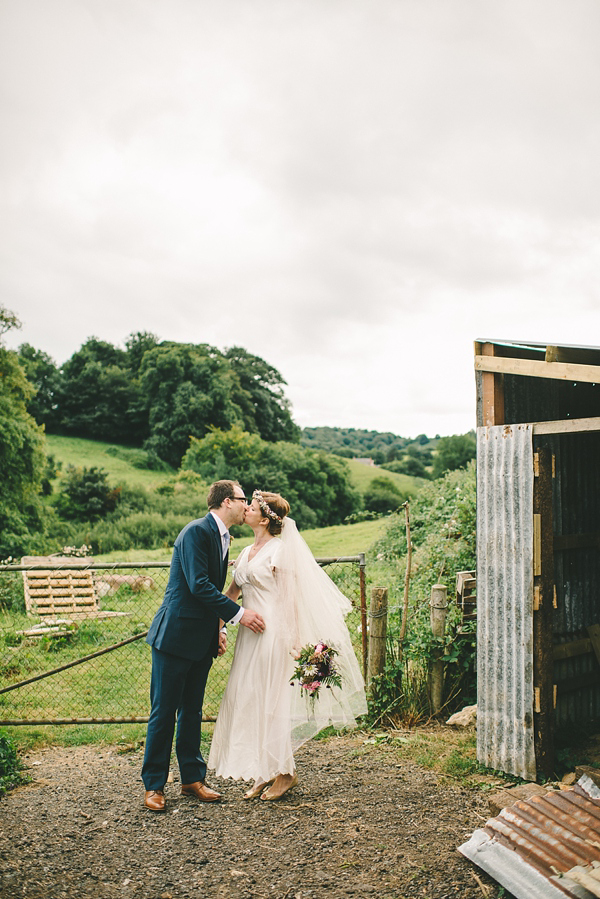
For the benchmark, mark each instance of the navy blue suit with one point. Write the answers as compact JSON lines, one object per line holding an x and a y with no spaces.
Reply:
{"x":184,"y":636}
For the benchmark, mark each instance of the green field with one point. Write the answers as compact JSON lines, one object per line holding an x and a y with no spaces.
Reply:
{"x":79,"y":452}
{"x":337,"y":540}
{"x":89,"y":453}
{"x":362,"y":475}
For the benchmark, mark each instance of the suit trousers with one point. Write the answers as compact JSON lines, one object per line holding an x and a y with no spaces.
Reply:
{"x":176,"y":692}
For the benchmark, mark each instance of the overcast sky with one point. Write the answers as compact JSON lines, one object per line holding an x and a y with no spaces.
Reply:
{"x":354,"y":190}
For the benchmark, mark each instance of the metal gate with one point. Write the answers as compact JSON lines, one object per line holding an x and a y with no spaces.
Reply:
{"x":72,"y":647}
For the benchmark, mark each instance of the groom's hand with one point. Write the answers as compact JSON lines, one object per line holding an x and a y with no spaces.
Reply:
{"x":252,"y":620}
{"x":222,"y":643}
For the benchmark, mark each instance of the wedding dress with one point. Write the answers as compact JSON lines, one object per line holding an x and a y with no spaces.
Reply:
{"x":263,"y":719}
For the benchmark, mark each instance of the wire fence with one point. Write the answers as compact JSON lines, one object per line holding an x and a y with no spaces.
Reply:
{"x":72,"y":639}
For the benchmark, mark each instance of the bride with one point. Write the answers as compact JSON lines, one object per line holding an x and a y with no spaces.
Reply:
{"x":262,"y":719}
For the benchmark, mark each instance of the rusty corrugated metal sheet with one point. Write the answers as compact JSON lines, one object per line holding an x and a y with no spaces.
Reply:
{"x":546,"y":846}
{"x":505,"y":737}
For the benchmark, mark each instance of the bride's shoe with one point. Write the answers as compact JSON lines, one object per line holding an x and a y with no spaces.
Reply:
{"x":258,"y":788}
{"x":269,"y":795}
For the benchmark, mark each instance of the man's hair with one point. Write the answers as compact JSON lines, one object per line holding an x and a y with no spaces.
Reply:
{"x":219,"y":492}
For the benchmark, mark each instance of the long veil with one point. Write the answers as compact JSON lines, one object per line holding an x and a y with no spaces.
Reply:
{"x":315,"y":610}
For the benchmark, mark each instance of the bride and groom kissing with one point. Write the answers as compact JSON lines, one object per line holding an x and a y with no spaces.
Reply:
{"x":287,"y":601}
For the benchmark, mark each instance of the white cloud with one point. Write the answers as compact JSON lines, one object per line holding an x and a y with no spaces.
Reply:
{"x":354,"y":191}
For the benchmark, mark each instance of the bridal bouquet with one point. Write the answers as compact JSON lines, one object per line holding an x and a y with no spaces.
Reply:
{"x":315,"y":667}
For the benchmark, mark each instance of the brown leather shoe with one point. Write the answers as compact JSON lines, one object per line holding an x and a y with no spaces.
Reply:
{"x":200,"y":791}
{"x":155,"y":800}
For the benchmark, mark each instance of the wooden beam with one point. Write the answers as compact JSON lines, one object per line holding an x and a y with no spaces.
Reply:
{"x":561,"y":371}
{"x":492,"y":385}
{"x":577,"y":541}
{"x":580,"y":647}
{"x":566,"y":426}
{"x":579,"y":355}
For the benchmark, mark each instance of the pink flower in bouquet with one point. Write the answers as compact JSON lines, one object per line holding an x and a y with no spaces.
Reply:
{"x":320,"y":647}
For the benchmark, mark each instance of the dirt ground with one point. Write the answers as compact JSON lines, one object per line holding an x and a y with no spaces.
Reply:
{"x":362,"y":822}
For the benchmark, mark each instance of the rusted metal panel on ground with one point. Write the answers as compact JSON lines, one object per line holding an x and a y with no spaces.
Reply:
{"x":545,"y":846}
{"x":505,"y":737}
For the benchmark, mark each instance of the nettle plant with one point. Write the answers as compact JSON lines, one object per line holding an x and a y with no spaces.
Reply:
{"x":443,"y":525}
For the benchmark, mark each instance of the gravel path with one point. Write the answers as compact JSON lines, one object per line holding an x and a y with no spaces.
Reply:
{"x":362,"y":822}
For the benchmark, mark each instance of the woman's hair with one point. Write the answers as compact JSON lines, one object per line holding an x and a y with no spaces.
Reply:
{"x":276,"y":504}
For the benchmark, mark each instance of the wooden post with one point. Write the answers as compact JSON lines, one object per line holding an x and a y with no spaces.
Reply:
{"x":377,"y":632}
{"x":439,"y":605}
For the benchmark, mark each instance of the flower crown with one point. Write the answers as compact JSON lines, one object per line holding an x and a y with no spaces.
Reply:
{"x":264,"y":507}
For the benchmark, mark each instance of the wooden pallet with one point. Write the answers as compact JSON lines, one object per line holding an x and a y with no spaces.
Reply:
{"x":466,"y":594}
{"x":65,"y":593}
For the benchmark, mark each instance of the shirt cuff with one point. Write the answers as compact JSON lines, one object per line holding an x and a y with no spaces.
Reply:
{"x":237,"y":616}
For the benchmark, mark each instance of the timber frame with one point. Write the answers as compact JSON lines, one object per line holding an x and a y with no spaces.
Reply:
{"x":567,"y":383}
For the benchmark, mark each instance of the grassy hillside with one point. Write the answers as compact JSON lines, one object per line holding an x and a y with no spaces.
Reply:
{"x":362,"y":475}
{"x":89,"y":453}
{"x":79,"y":452}
{"x":337,"y":540}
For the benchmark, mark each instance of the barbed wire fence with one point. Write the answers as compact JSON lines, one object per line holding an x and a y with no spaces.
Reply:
{"x":72,"y":639}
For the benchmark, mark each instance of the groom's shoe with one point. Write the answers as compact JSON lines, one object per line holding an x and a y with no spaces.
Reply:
{"x":155,"y":800}
{"x":200,"y":791}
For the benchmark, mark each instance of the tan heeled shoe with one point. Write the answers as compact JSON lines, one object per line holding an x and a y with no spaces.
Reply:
{"x":258,"y":788}
{"x":271,"y":797}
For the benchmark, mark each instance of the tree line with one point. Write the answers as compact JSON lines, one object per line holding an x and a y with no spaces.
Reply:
{"x":156,"y":394}
{"x":190,"y":408}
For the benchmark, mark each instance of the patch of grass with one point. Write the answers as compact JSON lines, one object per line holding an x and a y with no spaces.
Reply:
{"x":88,"y":453}
{"x":450,"y":753}
{"x":361,"y":476}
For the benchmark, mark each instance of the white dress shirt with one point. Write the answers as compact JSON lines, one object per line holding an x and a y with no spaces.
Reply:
{"x":225,"y":540}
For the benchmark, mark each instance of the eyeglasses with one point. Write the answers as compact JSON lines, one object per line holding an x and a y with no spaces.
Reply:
{"x":244,"y":499}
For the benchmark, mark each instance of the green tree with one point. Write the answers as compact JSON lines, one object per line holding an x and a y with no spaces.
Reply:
{"x":187,"y":389}
{"x":22,"y":459}
{"x":136,"y":345}
{"x":85,"y":495}
{"x":45,"y":378}
{"x":383,"y":496}
{"x":264,"y":406}
{"x":453,"y":452}
{"x":316,"y":485}
{"x":99,"y":398}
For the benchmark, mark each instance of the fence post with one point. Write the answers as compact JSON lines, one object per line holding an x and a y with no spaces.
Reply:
{"x":377,"y":632}
{"x":439,"y":605}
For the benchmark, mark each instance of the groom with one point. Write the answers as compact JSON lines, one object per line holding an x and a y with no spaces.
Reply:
{"x":185,"y":638}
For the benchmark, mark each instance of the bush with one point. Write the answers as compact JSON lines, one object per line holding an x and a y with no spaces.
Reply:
{"x":10,"y":765}
{"x":383,"y":496}
{"x":316,"y":484}
{"x":85,"y":494}
{"x":141,"y":530}
{"x":443,"y":526}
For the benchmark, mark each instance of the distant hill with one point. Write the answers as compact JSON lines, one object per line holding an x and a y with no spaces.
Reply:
{"x":381,"y":446}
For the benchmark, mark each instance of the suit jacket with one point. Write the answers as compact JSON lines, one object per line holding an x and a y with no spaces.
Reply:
{"x":187,"y":622}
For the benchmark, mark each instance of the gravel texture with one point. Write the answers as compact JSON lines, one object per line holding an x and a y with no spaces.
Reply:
{"x":362,"y":822}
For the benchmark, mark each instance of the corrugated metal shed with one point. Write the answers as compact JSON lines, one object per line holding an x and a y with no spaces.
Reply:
{"x":547,"y":846}
{"x":538,"y":560}
{"x":505,"y":599}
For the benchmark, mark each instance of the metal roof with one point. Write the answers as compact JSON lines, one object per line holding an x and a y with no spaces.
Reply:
{"x":545,"y":847}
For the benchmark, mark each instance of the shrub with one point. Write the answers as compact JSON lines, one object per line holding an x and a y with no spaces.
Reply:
{"x":383,"y":496}
{"x":85,"y":494}
{"x":443,"y":524}
{"x":10,"y":766}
